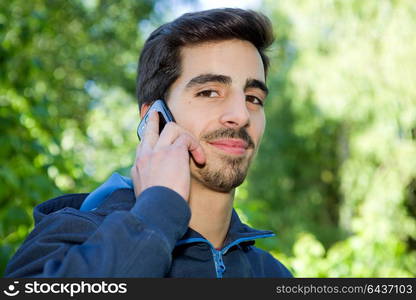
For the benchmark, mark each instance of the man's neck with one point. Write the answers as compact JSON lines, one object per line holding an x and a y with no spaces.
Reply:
{"x":211,"y":212}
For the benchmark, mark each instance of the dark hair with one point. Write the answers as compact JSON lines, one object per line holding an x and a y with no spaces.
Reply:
{"x":160,"y":64}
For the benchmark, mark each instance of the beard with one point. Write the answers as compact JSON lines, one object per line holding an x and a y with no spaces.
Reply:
{"x":225,"y":176}
{"x":222,"y":172}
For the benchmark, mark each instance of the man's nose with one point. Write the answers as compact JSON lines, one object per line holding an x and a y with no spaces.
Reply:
{"x":235,"y":114}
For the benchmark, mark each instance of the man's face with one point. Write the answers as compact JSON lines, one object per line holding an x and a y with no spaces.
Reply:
{"x":218,"y":99}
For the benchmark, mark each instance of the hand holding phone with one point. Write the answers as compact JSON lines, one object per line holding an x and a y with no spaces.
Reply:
{"x":162,"y":158}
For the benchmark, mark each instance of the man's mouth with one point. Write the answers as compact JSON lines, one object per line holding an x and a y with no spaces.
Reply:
{"x":231,"y":146}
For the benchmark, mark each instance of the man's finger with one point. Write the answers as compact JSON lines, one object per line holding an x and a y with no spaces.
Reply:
{"x":151,"y":132}
{"x":193,"y":147}
{"x":168,"y":135}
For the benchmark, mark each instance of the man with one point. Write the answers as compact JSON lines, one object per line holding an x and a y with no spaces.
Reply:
{"x":174,"y":217}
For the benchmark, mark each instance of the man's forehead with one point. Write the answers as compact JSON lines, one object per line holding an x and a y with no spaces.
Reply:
{"x":236,"y":59}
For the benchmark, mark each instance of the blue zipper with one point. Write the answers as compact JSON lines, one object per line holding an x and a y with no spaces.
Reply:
{"x":217,"y":254}
{"x":219,"y":263}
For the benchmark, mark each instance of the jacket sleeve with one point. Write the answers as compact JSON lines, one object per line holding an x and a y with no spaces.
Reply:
{"x":135,"y":243}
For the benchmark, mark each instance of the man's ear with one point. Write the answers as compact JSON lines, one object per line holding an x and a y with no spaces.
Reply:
{"x":144,"y":109}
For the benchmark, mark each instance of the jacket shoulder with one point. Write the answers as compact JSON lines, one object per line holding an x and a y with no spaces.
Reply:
{"x":120,"y":199}
{"x":271,"y":267}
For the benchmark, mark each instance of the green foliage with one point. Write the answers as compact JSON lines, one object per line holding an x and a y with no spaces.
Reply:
{"x":335,"y":177}
{"x":67,"y":86}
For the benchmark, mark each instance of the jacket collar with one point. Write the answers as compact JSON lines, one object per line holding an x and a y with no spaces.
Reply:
{"x":238,"y":233}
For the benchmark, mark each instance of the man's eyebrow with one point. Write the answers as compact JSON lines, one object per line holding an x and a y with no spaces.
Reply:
{"x":204,"y":78}
{"x":255,"y":83}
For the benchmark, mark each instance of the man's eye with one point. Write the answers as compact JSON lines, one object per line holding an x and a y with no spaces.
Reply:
{"x":208,"y":93}
{"x":254,"y":100}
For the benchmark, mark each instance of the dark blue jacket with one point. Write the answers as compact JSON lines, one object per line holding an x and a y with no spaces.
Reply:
{"x":123,"y":237}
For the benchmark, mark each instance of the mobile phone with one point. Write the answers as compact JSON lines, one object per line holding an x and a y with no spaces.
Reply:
{"x":165,"y":116}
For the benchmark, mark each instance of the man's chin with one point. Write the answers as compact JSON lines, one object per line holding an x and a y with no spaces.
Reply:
{"x":221,"y":187}
{"x":222,"y":180}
